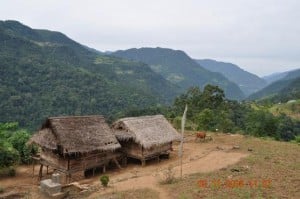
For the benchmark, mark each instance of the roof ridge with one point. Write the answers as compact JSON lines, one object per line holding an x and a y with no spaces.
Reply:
{"x":141,"y":117}
{"x":76,"y":116}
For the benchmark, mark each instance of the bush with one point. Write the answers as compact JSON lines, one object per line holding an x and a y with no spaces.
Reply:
{"x":104,"y":180}
{"x":8,"y":155}
{"x":7,"y":171}
{"x":297,"y":139}
{"x":168,"y":175}
{"x":1,"y":189}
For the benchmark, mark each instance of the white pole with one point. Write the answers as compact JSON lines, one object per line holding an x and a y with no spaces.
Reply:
{"x":182,"y":137}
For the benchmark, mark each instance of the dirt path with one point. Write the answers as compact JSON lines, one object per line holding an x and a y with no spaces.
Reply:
{"x":213,"y":161}
{"x":198,"y":157}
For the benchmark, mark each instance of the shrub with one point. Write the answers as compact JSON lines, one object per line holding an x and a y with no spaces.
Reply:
{"x":8,"y":155}
{"x":168,"y":175}
{"x":7,"y":171}
{"x":104,"y":180}
{"x":297,"y":139}
{"x":1,"y":189}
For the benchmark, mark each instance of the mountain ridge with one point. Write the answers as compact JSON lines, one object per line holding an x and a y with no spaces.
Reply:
{"x":177,"y":67}
{"x":248,"y":82}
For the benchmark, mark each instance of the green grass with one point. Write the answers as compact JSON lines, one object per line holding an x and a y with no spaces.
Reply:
{"x":290,"y":109}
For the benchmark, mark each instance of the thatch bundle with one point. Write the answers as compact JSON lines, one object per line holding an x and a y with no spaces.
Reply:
{"x":148,"y":131}
{"x":76,"y":134}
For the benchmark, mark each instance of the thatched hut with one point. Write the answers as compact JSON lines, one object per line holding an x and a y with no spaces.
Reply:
{"x":145,"y":137}
{"x":75,"y":144}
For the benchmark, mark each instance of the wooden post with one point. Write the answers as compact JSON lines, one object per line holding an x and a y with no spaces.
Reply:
{"x":41,"y":172}
{"x":104,"y":169}
{"x":124,"y":161}
{"x":47,"y":169}
{"x":33,"y":167}
{"x":117,"y":163}
{"x":143,"y":162}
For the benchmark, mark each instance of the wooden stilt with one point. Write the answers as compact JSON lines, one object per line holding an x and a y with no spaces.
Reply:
{"x":47,"y":169}
{"x":124,"y":161}
{"x":41,"y":171}
{"x":93,"y":171}
{"x":104,"y":169}
{"x":117,"y":163}
{"x":157,"y":159}
{"x":32,"y":168}
{"x":143,"y":162}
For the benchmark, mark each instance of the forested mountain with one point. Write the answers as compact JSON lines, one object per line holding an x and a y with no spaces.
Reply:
{"x":177,"y":67}
{"x":44,"y":73}
{"x":248,"y":82}
{"x":283,"y":90}
{"x":274,"y":77}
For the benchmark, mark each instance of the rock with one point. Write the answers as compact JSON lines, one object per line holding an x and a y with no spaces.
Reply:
{"x":249,"y":149}
{"x":235,"y":170}
{"x":219,"y":148}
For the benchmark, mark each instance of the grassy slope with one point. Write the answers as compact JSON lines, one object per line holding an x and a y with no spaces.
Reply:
{"x":270,"y":161}
{"x":290,"y":109}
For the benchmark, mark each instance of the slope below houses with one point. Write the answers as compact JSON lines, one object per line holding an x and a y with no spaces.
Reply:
{"x":248,"y":82}
{"x":45,"y":73}
{"x":177,"y":67}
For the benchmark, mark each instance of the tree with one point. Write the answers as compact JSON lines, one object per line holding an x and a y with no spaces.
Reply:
{"x":205,"y":120}
{"x":213,"y":96}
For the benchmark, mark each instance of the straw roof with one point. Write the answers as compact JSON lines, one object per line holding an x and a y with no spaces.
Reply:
{"x":148,"y":131}
{"x":76,"y":134}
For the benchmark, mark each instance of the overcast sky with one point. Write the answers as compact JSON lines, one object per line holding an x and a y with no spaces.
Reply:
{"x":261,"y":36}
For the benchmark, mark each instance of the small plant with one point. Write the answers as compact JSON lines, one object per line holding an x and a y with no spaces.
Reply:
{"x":168,"y":175}
{"x":104,"y":180}
{"x":297,"y":138}
{"x":11,"y":171}
{"x":1,"y":189}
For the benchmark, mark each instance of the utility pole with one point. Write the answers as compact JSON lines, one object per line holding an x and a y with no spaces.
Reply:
{"x":182,"y":137}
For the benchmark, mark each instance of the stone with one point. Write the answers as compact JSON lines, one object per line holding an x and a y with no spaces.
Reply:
{"x":56,"y":178}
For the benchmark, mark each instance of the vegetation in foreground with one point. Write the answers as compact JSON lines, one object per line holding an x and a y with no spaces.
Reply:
{"x":270,"y":171}
{"x":13,"y":148}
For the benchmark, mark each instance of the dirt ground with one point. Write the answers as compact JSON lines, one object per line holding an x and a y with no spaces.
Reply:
{"x":197,"y":157}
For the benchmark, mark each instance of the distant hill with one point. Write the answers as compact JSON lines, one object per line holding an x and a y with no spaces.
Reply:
{"x":274,"y":77}
{"x":285,"y":89}
{"x":177,"y":67}
{"x":278,"y":76}
{"x":248,"y":82}
{"x":44,"y":73}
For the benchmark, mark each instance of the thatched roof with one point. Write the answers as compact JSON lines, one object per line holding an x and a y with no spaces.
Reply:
{"x":148,"y":131}
{"x":76,"y":134}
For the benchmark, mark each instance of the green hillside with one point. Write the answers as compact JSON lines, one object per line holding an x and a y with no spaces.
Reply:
{"x":177,"y":67}
{"x":248,"y":82}
{"x":283,"y":90}
{"x":44,"y":73}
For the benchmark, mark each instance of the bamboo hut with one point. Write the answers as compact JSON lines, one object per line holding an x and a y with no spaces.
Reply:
{"x":74,"y":144}
{"x":145,"y":137}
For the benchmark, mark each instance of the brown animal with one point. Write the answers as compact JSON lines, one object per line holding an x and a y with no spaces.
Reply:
{"x":201,"y":136}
